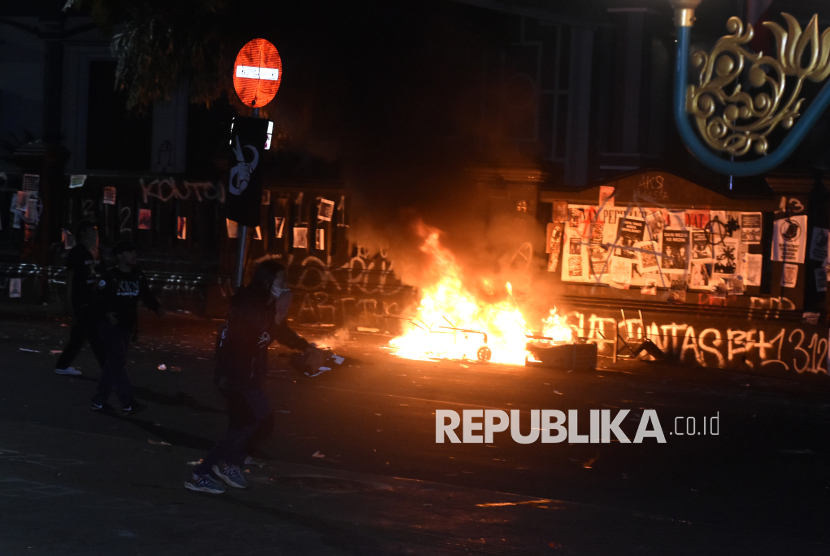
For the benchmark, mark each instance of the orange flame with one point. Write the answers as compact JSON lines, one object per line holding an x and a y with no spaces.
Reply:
{"x":451,"y":322}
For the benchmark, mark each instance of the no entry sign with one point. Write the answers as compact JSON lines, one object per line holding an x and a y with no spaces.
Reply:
{"x":257,"y":73}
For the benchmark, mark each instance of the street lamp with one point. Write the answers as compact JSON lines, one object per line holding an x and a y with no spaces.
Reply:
{"x":728,"y":118}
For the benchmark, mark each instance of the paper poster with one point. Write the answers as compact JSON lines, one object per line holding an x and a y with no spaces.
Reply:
{"x":699,"y":277}
{"x":14,"y":287}
{"x":301,"y":238}
{"x":620,"y":272}
{"x":279,"y":223}
{"x":181,"y":228}
{"x":699,"y":218}
{"x":554,"y":244}
{"x":751,"y":228}
{"x":647,"y":255}
{"x":109,"y":195}
{"x":20,"y":199}
{"x":32,"y":214}
{"x":675,"y":250}
{"x":818,"y":245}
{"x":560,"y":211}
{"x":752,"y":269}
{"x":701,"y":248}
{"x":320,"y":239}
{"x":655,"y":224}
{"x":789,"y":277}
{"x":326,"y":210}
{"x":232,"y":227}
{"x":789,"y":239}
{"x":677,"y":292}
{"x":574,"y":217}
{"x":726,"y":257}
{"x":257,"y":234}
{"x":575,"y":263}
{"x":606,"y":196}
{"x":677,"y":220}
{"x":31,"y":183}
{"x":77,"y":180}
{"x":821,"y":279}
{"x":650,"y":282}
{"x":629,"y":231}
{"x":145,"y":217}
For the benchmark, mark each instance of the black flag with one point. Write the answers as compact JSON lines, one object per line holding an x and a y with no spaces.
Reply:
{"x":248,"y":141}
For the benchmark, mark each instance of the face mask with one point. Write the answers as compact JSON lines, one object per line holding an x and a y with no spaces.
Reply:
{"x":276,"y":292}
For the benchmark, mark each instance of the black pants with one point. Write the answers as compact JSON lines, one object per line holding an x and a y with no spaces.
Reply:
{"x":116,"y":340}
{"x":84,"y":328}
{"x":250,"y":421}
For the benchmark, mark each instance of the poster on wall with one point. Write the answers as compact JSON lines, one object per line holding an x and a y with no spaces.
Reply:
{"x":31,"y":183}
{"x":301,"y":238}
{"x":77,"y":180}
{"x":699,"y":277}
{"x":647,"y":254}
{"x":818,"y":245}
{"x":145,"y":217}
{"x":279,"y":223}
{"x":620,"y":272}
{"x":752,"y":269}
{"x":789,"y":239}
{"x":701,"y":248}
{"x":326,"y":210}
{"x":629,"y":231}
{"x":68,"y":239}
{"x":751,"y":228}
{"x":789,"y":277}
{"x":726,"y":258}
{"x":675,"y":250}
{"x":257,"y":234}
{"x":109,"y":195}
{"x":606,"y":196}
{"x":14,"y":287}
{"x":181,"y":228}
{"x":821,"y":279}
{"x":655,"y":224}
{"x":650,"y":282}
{"x":320,"y":239}
{"x":554,"y":244}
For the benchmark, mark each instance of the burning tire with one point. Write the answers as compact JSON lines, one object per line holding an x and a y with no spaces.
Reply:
{"x":484,"y":353}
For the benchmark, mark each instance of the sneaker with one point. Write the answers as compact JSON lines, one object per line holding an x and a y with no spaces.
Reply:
{"x":133,"y":407}
{"x":102,"y":407}
{"x":68,"y":371}
{"x":204,"y":483}
{"x":231,"y":474}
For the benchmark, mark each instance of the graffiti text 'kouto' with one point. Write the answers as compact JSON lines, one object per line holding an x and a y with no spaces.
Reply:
{"x":166,"y":189}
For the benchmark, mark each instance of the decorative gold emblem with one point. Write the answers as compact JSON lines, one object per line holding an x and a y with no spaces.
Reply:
{"x":745,"y":120}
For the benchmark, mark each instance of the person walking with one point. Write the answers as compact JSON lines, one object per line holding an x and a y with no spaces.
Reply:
{"x":119,"y":290}
{"x":258,"y":316}
{"x":82,"y":269}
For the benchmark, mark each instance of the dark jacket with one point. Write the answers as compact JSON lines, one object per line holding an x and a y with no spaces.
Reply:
{"x":243,"y":339}
{"x":119,"y":292}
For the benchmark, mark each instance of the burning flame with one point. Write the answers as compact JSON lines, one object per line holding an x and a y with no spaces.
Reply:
{"x":451,"y":322}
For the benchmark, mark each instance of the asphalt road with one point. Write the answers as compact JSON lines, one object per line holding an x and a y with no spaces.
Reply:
{"x":760,"y":484}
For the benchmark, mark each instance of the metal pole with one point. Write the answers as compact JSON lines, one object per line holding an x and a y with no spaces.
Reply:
{"x":243,"y":240}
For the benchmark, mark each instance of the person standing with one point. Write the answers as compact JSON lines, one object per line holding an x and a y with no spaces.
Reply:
{"x":82,"y":269}
{"x":258,"y":316}
{"x":119,"y":290}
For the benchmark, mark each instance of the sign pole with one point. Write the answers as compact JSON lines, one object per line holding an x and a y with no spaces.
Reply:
{"x":243,"y":240}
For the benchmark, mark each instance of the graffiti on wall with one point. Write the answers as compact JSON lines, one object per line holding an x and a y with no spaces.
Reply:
{"x":781,"y":347}
{"x":167,"y":189}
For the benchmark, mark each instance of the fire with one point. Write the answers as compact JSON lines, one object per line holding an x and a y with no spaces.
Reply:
{"x":452,"y":322}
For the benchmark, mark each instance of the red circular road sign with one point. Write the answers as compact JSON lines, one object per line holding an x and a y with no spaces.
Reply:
{"x":257,"y":73}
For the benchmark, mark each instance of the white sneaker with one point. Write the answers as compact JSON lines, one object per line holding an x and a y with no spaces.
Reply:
{"x":68,"y":371}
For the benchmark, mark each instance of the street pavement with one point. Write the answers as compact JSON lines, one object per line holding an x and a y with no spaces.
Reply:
{"x":353,"y":466}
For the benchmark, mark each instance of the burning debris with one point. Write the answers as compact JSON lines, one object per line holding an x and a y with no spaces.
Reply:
{"x":454,"y":322}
